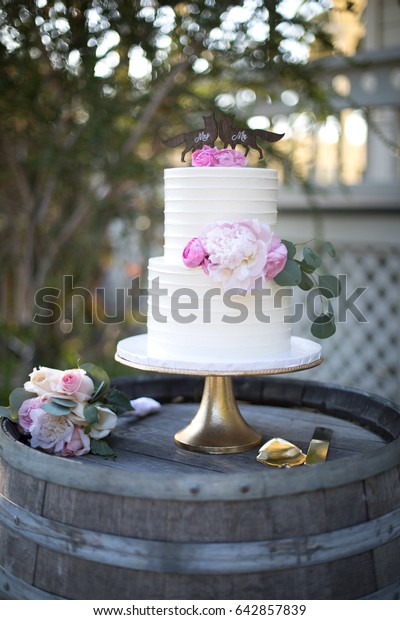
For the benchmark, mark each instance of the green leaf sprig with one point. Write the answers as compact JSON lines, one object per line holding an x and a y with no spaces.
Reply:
{"x":303,"y":273}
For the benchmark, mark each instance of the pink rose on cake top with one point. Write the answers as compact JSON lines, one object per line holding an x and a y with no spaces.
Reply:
{"x":236,"y":254}
{"x":213,"y":157}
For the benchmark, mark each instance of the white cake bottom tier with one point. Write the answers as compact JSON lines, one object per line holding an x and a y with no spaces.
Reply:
{"x":189,"y":316}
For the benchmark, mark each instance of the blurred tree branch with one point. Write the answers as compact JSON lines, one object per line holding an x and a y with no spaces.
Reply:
{"x":87,"y":89}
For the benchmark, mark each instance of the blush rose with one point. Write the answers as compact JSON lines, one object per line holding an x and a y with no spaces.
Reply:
{"x":78,"y":444}
{"x":276,"y":258}
{"x":75,"y":384}
{"x":194,"y":253}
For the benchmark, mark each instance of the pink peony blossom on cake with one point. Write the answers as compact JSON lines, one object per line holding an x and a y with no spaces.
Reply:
{"x":236,"y":254}
{"x":213,"y":157}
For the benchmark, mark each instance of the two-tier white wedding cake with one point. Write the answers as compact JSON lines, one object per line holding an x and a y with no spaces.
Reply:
{"x":225,"y":308}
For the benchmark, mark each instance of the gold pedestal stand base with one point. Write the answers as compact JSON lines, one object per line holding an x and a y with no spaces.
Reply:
{"x":218,"y":426}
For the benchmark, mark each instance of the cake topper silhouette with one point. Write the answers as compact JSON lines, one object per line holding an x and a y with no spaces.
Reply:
{"x":228,"y":134}
{"x":244,"y":136}
{"x":196,"y":139}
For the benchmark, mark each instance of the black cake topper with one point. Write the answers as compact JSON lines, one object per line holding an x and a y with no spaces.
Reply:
{"x":228,"y":134}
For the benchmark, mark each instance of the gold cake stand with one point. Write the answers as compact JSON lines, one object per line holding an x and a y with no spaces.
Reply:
{"x":218,"y":426}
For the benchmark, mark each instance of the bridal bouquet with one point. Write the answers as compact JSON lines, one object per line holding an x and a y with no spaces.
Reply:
{"x":67,"y":412}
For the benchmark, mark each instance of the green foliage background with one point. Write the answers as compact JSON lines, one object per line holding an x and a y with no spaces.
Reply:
{"x":80,"y":138}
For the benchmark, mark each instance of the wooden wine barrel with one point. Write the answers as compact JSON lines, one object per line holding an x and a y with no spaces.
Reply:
{"x":159,"y":522}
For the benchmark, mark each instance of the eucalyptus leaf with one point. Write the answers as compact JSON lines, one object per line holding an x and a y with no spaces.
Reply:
{"x":291,"y":248}
{"x":54,"y":409}
{"x":118,"y":402}
{"x":323,"y":326}
{"x":17,"y":397}
{"x":311,"y":258}
{"x":329,"y":286}
{"x":330,"y":249}
{"x":290,"y":274}
{"x":5,"y":412}
{"x":98,"y":393}
{"x":101,"y":447}
{"x":91,"y":414}
{"x":63,"y":402}
{"x":306,"y":268}
{"x":306,"y":283}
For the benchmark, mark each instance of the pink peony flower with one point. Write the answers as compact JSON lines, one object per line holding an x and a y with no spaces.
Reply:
{"x":236,"y":252}
{"x":78,"y":444}
{"x":276,"y":258}
{"x":204,"y":157}
{"x":230,"y":157}
{"x":75,"y":384}
{"x":194,"y":253}
{"x":24,"y":414}
{"x":48,"y":431}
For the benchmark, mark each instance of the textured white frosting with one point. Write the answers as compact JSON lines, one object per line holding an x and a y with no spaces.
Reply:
{"x":191,"y":319}
{"x":196,"y":196}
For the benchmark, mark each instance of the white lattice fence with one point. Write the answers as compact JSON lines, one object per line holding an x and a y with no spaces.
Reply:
{"x":365,"y":354}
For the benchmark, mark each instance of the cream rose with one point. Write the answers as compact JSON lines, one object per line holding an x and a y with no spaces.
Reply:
{"x":105,"y":424}
{"x":43,"y":380}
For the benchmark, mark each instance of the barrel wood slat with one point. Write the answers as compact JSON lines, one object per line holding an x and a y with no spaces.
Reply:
{"x":163,"y":523}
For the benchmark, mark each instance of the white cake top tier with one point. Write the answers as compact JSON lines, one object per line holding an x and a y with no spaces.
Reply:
{"x":194,"y":197}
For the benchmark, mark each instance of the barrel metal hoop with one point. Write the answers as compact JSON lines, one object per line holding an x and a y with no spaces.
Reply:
{"x":200,"y":558}
{"x":14,"y":588}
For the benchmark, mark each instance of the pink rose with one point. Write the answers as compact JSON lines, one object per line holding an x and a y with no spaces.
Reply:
{"x":230,"y":157}
{"x":78,"y":444}
{"x":204,"y":157}
{"x":276,"y":258}
{"x":75,"y":383}
{"x":194,"y":253}
{"x":25,"y":411}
